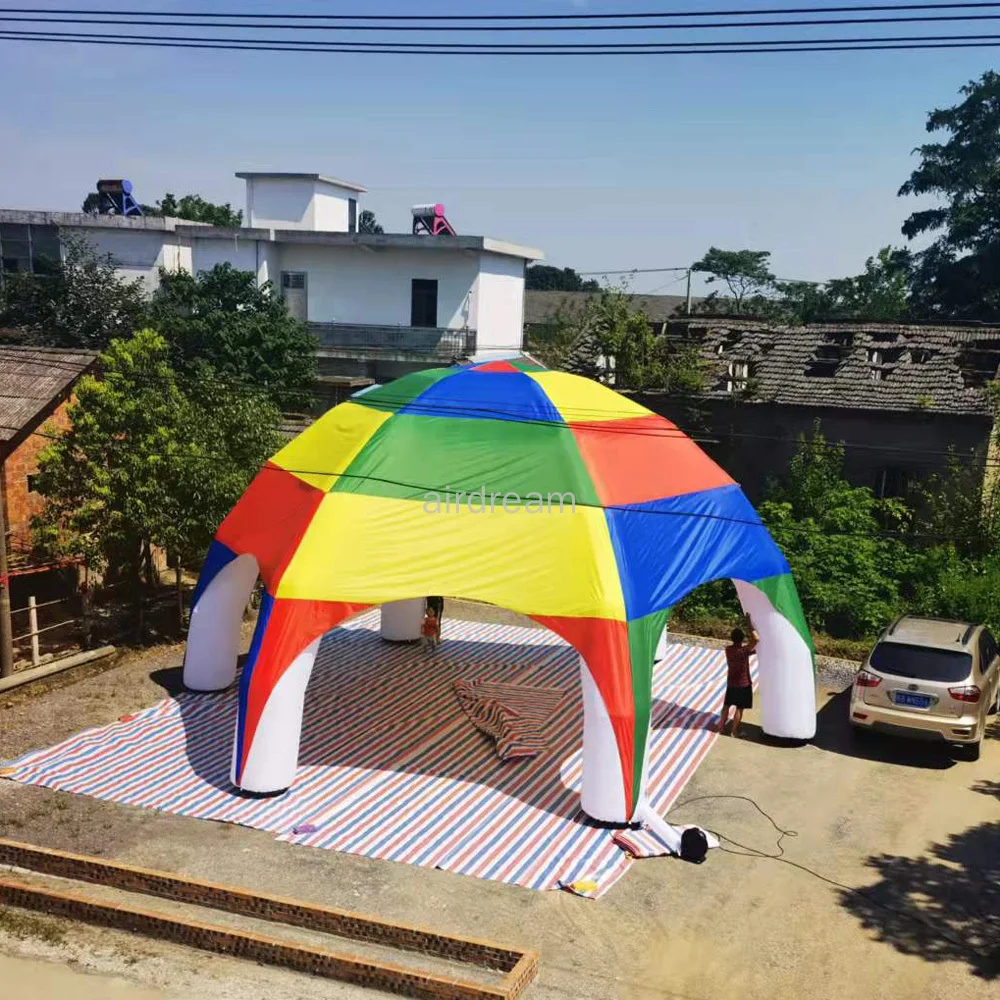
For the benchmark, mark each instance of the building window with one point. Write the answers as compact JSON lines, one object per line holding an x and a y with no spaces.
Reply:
{"x":32,"y":249}
{"x":293,"y":291}
{"x":424,"y":302}
{"x":352,"y":215}
{"x":739,"y":373}
{"x":875,"y":361}
{"x":33,"y":482}
{"x":892,"y":481}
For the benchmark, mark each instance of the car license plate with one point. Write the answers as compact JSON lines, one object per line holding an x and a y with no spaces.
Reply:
{"x":912,"y":700}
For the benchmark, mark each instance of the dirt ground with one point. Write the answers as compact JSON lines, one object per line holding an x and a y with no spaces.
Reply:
{"x":912,"y":833}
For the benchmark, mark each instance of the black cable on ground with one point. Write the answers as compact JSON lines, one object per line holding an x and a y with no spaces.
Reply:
{"x":745,"y":851}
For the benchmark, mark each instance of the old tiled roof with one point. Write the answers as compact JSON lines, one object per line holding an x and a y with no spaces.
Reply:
{"x":868,"y":366}
{"x":547,"y":307}
{"x":30,"y":378}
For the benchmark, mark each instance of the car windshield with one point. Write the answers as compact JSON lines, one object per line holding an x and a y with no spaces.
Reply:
{"x":921,"y":662}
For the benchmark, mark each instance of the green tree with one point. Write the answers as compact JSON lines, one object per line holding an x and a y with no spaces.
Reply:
{"x":243,"y":332}
{"x":880,"y":294}
{"x":746,"y":273}
{"x":191,"y":207}
{"x":367,"y":223}
{"x":196,"y":209}
{"x":801,"y":302}
{"x":959,"y":274}
{"x":839,"y":540}
{"x":103,"y":479}
{"x":685,"y":371}
{"x":956,"y":507}
{"x":144,"y":463}
{"x":552,"y":342}
{"x":228,"y":435}
{"x":545,"y":278}
{"x":624,"y":337}
{"x":80,"y":301}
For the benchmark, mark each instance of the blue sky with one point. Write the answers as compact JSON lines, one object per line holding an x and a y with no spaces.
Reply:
{"x":601,"y":163}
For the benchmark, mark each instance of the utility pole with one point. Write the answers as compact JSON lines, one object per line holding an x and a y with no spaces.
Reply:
{"x":6,"y":632}
{"x":687,"y":308}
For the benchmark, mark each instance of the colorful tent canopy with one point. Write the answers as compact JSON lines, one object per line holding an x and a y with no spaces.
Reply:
{"x":535,"y":490}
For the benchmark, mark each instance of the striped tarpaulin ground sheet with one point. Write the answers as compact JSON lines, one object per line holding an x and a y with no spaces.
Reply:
{"x":389,"y":767}
{"x":514,"y":716}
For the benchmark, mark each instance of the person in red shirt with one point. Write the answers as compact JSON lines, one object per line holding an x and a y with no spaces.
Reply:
{"x":739,"y":686}
{"x":430,"y":630}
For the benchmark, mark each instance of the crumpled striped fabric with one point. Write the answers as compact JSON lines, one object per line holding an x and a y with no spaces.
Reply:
{"x":513,"y":715}
{"x":642,"y":842}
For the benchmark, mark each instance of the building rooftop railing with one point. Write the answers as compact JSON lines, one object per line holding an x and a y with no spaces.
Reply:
{"x":432,"y":341}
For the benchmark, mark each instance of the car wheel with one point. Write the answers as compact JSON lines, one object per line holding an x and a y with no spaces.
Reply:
{"x":970,"y":751}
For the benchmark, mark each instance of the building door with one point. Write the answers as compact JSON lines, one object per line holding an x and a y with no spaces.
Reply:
{"x":424,"y":302}
{"x":295,"y":294}
{"x":352,"y":215}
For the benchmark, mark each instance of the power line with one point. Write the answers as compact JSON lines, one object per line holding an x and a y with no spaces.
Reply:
{"x":630,"y":15}
{"x":501,"y":48}
{"x":422,"y":490}
{"x":793,"y":281}
{"x":345,"y":48}
{"x":635,"y":270}
{"x":176,"y":19}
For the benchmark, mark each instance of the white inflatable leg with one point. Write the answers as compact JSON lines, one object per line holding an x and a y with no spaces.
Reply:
{"x":401,"y":620}
{"x":785,"y":669}
{"x":213,"y":644}
{"x":670,"y":835}
{"x":274,"y":750}
{"x":602,"y":794}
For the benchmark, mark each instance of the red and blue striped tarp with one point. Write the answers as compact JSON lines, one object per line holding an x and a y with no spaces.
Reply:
{"x":390,"y":767}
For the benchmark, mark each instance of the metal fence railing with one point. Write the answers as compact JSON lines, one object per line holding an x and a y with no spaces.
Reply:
{"x":33,"y":625}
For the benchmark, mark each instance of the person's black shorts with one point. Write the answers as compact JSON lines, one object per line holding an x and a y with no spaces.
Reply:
{"x":739,"y":697}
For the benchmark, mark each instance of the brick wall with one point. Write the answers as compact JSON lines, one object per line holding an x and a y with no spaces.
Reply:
{"x":754,"y":442}
{"x":21,"y":504}
{"x":520,"y":966}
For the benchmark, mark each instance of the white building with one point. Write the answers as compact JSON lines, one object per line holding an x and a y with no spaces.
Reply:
{"x":380,"y":305}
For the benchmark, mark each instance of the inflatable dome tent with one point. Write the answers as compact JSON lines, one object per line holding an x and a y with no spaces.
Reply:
{"x":504,"y":482}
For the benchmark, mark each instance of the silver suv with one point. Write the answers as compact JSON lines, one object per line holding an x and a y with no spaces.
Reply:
{"x":930,"y":679}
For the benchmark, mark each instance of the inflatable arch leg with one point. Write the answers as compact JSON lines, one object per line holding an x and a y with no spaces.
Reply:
{"x":213,"y":645}
{"x":273,"y":754}
{"x":617,"y":719}
{"x":616,"y":678}
{"x":602,"y":791}
{"x":785,"y":664}
{"x":273,"y":687}
{"x":400,"y":621}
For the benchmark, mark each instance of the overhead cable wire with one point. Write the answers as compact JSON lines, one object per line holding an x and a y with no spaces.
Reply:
{"x":168,"y":42}
{"x":442,"y":489}
{"x":582,"y":16}
{"x":475,"y":48}
{"x":177,"y":19}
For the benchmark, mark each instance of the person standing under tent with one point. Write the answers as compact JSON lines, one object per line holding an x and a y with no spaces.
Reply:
{"x":437,"y":603}
{"x":430,"y":629}
{"x":739,"y":685}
